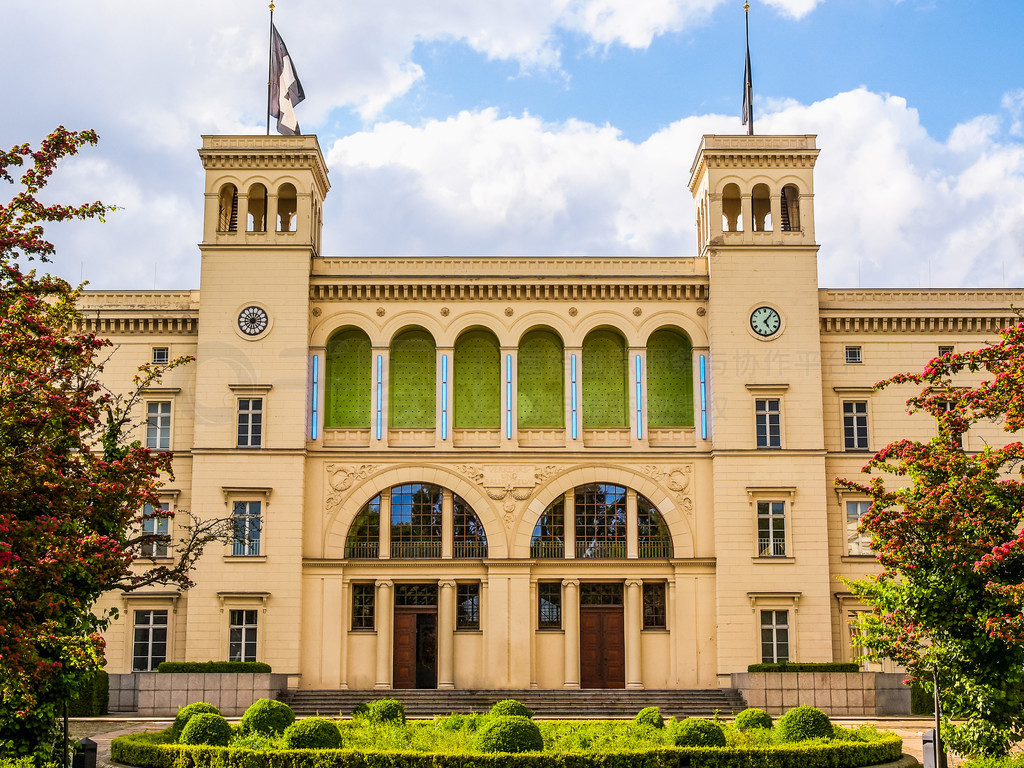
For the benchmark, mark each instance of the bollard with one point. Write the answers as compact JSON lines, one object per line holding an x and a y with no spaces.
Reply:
{"x":85,"y":755}
{"x":928,"y":749}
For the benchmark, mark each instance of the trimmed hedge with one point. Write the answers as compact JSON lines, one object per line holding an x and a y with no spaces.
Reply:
{"x":805,"y":666}
{"x":229,"y":667}
{"x":153,"y":751}
{"x":93,"y":698}
{"x":922,"y":701}
{"x":510,"y":708}
{"x":509,"y":733}
{"x":696,"y":732}
{"x":751,"y":718}
{"x":802,"y":723}
{"x":650,"y":716}
{"x":206,"y":728}
{"x":267,"y":716}
{"x":386,"y":711}
{"x":188,"y":711}
{"x":312,"y":733}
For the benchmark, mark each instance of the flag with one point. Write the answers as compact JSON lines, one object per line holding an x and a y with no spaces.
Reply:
{"x":285,"y":88}
{"x":748,"y":92}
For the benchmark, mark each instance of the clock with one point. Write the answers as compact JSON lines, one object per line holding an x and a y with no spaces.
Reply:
{"x":765,"y":321}
{"x":252,"y":321}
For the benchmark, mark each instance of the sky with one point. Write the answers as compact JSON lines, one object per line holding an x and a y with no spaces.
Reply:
{"x":537,"y":127}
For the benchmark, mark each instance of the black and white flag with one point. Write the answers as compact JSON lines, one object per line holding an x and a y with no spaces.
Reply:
{"x":285,"y":88}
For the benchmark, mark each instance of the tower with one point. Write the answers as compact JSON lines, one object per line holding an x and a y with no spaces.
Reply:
{"x":755,"y":227}
{"x":262,"y":225}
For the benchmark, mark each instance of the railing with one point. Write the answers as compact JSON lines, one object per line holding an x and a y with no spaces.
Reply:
{"x":547,"y":550}
{"x":415,"y":549}
{"x":472,"y":549}
{"x":771,"y":547}
{"x":363,"y":550}
{"x":601,"y":549}
{"x":654,"y":549}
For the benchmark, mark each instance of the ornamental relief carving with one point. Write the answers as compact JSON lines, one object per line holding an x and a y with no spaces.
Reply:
{"x":508,"y":484}
{"x":677,"y":480}
{"x":340,"y":478}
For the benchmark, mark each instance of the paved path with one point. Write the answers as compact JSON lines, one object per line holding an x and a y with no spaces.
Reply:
{"x":102,"y":730}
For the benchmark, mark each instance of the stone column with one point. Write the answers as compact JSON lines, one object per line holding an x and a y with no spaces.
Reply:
{"x":632,"y":534}
{"x":385,"y":619}
{"x":446,"y":634}
{"x":447,"y":523}
{"x":385,"y":526}
{"x":571,"y":630}
{"x":569,"y":524}
{"x":634,"y":623}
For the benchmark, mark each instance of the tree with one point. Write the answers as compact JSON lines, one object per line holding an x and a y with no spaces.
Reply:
{"x":948,"y":536}
{"x":72,"y":483}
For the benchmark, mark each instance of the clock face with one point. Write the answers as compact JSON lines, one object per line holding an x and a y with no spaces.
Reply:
{"x":252,"y":321}
{"x":765,"y":321}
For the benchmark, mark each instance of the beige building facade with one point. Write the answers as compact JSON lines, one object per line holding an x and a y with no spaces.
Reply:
{"x":509,"y":472}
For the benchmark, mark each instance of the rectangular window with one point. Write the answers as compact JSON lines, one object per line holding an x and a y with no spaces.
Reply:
{"x":549,"y":603}
{"x":467,"y":610}
{"x":363,"y":596}
{"x":158,"y":425}
{"x":856,"y":543}
{"x":771,"y":529}
{"x":154,"y":525}
{"x":948,"y":406}
{"x":853,"y":355}
{"x":855,"y":425}
{"x":774,"y":636}
{"x":149,"y":646}
{"x":242,"y":636}
{"x":945,"y":349}
{"x":248,"y":523}
{"x":250,"y":422}
{"x":161,"y":355}
{"x":654,"y":606}
{"x":768,"y":421}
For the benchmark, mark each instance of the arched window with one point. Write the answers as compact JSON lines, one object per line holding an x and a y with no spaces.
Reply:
{"x":732,"y":209}
{"x":477,"y":370}
{"x":416,"y":521}
{"x":411,"y":380}
{"x":653,"y":537}
{"x":790,"y":215}
{"x":467,"y":530}
{"x":605,"y":393}
{"x":349,"y":362}
{"x":761,"y":208}
{"x":600,"y":521}
{"x":549,"y":534}
{"x":227,"y":212}
{"x":541,"y":380}
{"x":257,"y":218}
{"x":287,"y":208}
{"x":669,"y":379}
{"x":364,"y":536}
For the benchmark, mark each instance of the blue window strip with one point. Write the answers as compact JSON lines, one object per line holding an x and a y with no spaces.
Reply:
{"x":508,"y":397}
{"x":575,"y":403}
{"x":703,"y":399}
{"x":380,"y":396}
{"x":444,"y":397}
{"x":639,"y":402}
{"x":316,"y":396}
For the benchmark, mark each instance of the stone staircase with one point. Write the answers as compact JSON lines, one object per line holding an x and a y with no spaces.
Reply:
{"x":420,"y":703}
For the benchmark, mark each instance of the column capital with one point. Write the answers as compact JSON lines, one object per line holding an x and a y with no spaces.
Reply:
{"x":634,"y":583}
{"x":446,"y":583}
{"x":384,"y":584}
{"x":575,"y":583}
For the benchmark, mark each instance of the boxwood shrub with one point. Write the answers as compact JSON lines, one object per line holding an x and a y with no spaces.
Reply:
{"x":805,"y":666}
{"x":212,"y":666}
{"x":386,"y":711}
{"x":650,"y":716}
{"x":267,"y":716}
{"x":802,"y":723}
{"x":510,"y":708}
{"x":92,"y":700}
{"x":509,"y":733}
{"x":312,"y":733}
{"x":206,"y":728}
{"x":751,"y":718}
{"x":186,"y":712}
{"x":696,"y":732}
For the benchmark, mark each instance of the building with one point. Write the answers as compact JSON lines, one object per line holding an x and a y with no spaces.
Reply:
{"x":489,"y":472}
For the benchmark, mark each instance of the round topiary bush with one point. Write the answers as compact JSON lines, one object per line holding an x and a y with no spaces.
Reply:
{"x":802,"y":723}
{"x":511,"y":708}
{"x":312,"y":733}
{"x":186,"y":713}
{"x":650,"y":716}
{"x":509,"y":733}
{"x":206,"y":728}
{"x":752,"y":718}
{"x":695,"y":732}
{"x":386,"y":711}
{"x":268,"y":717}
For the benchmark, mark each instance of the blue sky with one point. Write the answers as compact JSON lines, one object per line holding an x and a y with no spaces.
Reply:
{"x":541,"y":126}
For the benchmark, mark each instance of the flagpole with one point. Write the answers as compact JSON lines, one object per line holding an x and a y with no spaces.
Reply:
{"x":270,"y":64}
{"x":749,"y":86}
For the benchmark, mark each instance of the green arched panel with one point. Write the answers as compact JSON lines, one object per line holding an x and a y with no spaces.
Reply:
{"x":541,"y":380}
{"x":411,"y":377}
{"x":605,"y":393}
{"x":349,"y":365}
{"x":669,"y":379}
{"x":477,"y":370}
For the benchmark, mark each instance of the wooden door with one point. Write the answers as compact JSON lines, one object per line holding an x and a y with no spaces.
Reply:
{"x":602,"y":647}
{"x":405,"y":650}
